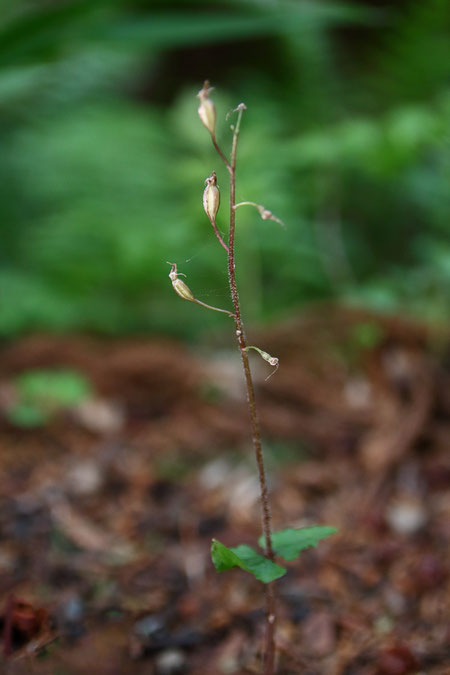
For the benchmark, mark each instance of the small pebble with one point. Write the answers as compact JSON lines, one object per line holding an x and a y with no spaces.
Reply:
{"x":406,"y":516}
{"x":170,"y":662}
{"x":100,"y":416}
{"x":84,"y":479}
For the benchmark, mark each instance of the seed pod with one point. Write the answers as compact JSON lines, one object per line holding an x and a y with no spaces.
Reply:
{"x":185,"y":292}
{"x":179,"y":286}
{"x":182,"y":289}
{"x":211,"y":197}
{"x":206,"y":109}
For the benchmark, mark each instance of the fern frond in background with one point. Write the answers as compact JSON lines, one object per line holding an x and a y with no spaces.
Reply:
{"x":100,"y":164}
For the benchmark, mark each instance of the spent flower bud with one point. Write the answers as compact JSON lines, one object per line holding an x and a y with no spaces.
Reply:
{"x":263,"y":212}
{"x":211,"y":197}
{"x":271,"y":360}
{"x":206,"y":109}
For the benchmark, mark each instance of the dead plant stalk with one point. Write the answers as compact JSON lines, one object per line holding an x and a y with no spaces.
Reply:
{"x":269,"y":644}
{"x":286,"y":543}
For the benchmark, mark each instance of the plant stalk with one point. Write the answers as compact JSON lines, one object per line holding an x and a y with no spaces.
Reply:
{"x":269,"y":642}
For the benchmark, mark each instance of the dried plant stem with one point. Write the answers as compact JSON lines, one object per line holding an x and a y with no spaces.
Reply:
{"x":220,"y":153}
{"x":216,"y":309}
{"x":217,"y":233}
{"x":269,"y":642}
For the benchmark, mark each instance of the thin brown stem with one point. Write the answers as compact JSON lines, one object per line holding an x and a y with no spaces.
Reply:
{"x":269,"y":645}
{"x":216,"y":309}
{"x":218,"y":235}
{"x":269,"y":638}
{"x":220,"y":153}
{"x":240,"y":109}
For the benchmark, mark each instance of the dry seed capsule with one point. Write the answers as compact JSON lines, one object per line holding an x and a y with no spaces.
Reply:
{"x":179,"y":286}
{"x":206,"y":109}
{"x":185,"y":292}
{"x":182,"y":289}
{"x":211,"y":197}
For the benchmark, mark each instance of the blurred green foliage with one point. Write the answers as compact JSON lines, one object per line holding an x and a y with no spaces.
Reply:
{"x":42,"y":393}
{"x":103,"y":159}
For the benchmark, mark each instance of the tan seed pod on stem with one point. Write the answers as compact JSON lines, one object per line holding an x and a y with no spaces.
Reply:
{"x":179,"y":286}
{"x":211,"y":202}
{"x":206,"y":109}
{"x":185,"y":292}
{"x":211,"y":197}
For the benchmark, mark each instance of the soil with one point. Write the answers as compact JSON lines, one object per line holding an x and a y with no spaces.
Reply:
{"x":108,"y":509}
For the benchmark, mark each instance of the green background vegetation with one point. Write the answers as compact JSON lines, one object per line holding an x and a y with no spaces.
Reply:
{"x":103,"y":159}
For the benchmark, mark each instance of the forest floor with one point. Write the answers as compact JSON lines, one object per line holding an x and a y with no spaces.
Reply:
{"x":108,"y":510}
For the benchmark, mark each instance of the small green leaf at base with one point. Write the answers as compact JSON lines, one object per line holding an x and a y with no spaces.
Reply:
{"x":289,"y":543}
{"x":27,"y":415}
{"x":247,"y":559}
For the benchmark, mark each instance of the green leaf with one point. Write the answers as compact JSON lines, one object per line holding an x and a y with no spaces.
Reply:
{"x":27,"y":415}
{"x":58,"y":388}
{"x":43,"y":392}
{"x":247,"y":559}
{"x":43,"y":33}
{"x":178,"y":28}
{"x":288,"y":543}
